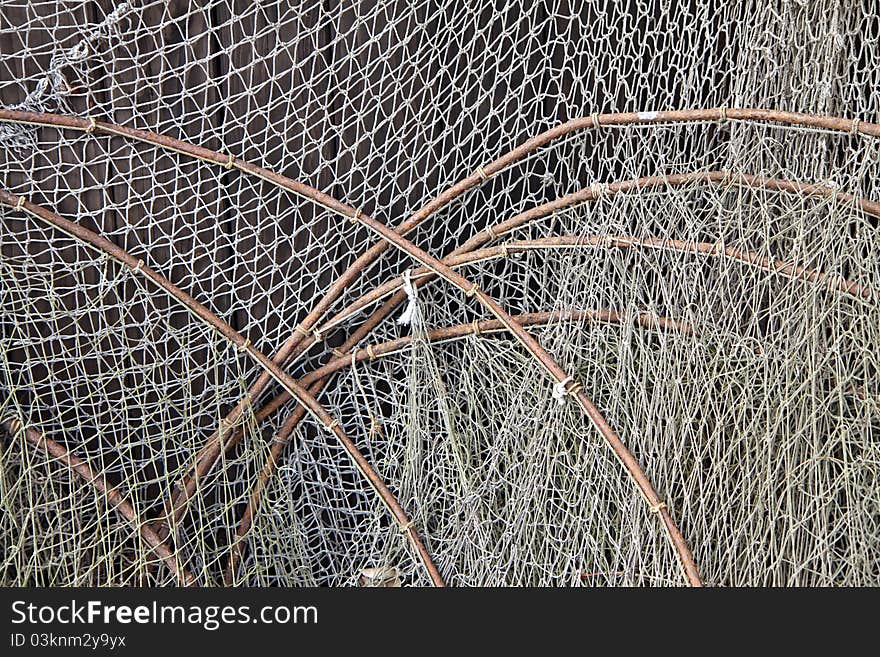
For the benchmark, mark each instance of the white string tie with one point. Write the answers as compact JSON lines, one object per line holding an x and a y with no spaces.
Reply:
{"x":560,"y":391}
{"x":410,"y":314}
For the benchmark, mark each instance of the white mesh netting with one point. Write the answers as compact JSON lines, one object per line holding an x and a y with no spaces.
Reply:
{"x":202,"y":375}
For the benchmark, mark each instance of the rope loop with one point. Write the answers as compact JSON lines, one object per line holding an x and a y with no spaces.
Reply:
{"x":19,"y":204}
{"x":90,"y":128}
{"x":594,"y":117}
{"x":303,"y":332}
{"x":370,"y":353}
{"x":472,"y":291}
{"x":475,"y":327}
{"x":230,"y":161}
{"x":657,"y":508}
{"x":722,"y":114}
{"x":333,"y":424}
{"x":855,"y":126}
{"x":244,"y":345}
{"x":481,"y":172}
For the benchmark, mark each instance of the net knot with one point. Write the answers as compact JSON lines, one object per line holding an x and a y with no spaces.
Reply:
{"x":471,"y":292}
{"x":505,"y":251}
{"x":318,"y":335}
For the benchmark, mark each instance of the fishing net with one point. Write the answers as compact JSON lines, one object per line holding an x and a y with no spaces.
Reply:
{"x":383,"y":294}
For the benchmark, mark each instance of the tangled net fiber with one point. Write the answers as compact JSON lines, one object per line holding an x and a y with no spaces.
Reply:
{"x":374,"y":294}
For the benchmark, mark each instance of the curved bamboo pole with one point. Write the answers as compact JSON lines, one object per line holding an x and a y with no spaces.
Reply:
{"x":461,"y":257}
{"x":115,"y":499}
{"x":306,"y":400}
{"x":645,"y":320}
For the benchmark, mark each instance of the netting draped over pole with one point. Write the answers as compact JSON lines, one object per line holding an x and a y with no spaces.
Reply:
{"x":394,"y":278}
